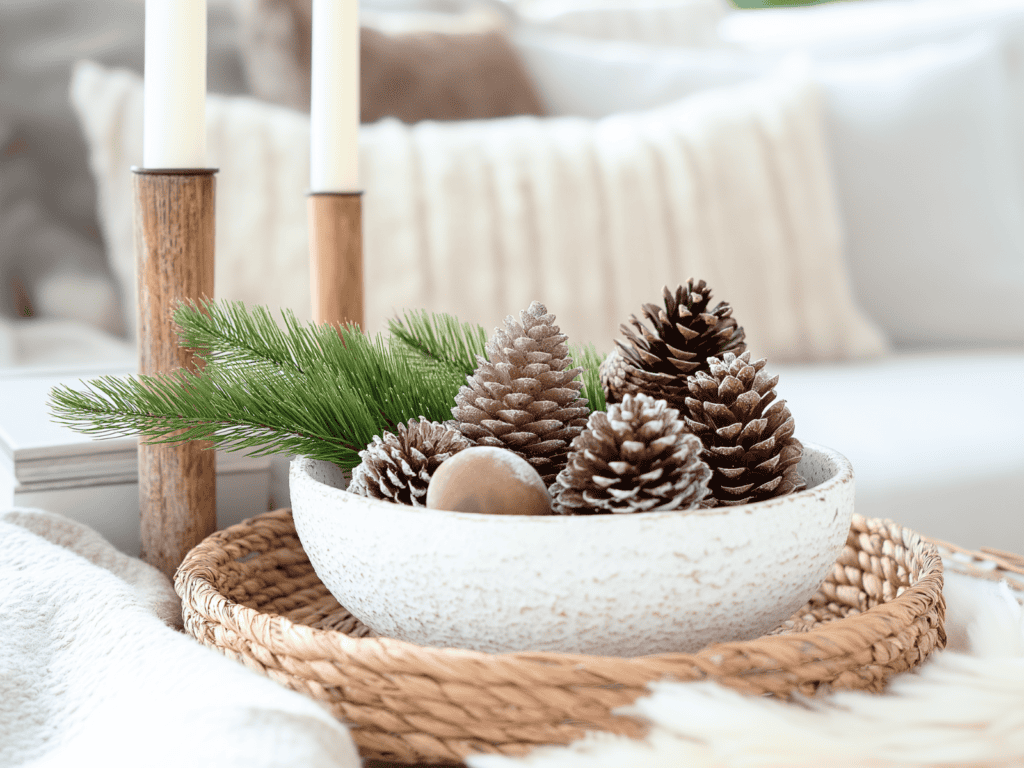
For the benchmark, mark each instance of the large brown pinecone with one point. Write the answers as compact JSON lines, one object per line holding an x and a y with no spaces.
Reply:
{"x":748,"y":439}
{"x":398,"y":467}
{"x":523,"y":397}
{"x":682,"y":335}
{"x":637,"y":457}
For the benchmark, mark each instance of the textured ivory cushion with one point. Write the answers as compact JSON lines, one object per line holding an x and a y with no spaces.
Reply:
{"x":413,"y":65}
{"x":924,"y":155}
{"x":479,"y":218}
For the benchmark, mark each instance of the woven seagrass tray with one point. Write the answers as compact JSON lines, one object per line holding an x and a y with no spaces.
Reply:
{"x":250,"y":592}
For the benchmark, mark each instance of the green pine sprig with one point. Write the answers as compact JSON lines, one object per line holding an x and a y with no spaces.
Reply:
{"x":228,"y":333}
{"x":292,"y":388}
{"x":440,"y":339}
{"x":307,"y":389}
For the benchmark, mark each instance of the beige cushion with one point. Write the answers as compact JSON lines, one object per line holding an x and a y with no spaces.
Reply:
{"x":413,"y":66}
{"x":479,"y":218}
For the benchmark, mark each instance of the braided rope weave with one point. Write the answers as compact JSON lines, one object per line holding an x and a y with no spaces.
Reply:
{"x":250,"y":592}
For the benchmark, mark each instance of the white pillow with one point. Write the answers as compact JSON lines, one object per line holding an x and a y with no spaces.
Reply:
{"x":838,"y":31}
{"x":934,"y":211}
{"x":924,"y":162}
{"x":841,"y":30}
{"x":479,"y":218}
{"x":660,"y":22}
{"x":588,"y":78}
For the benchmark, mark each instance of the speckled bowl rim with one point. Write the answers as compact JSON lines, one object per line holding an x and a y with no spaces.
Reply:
{"x":843,"y":474}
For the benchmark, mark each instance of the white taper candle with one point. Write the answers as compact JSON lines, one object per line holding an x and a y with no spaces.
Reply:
{"x":174,"y":97}
{"x":334,"y":97}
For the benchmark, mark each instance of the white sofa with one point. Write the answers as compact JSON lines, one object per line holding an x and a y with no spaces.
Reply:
{"x":925,"y":113}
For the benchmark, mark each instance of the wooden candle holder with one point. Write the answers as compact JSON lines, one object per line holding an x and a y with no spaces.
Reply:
{"x":336,"y":257}
{"x":174,"y":248}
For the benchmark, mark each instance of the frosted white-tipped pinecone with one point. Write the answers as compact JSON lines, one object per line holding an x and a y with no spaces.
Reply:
{"x":637,"y":457}
{"x":523,"y":397}
{"x":398,"y":467}
{"x":678,"y":338}
{"x":748,"y":439}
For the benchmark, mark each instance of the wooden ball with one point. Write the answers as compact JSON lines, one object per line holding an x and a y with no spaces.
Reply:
{"x":493,"y":481}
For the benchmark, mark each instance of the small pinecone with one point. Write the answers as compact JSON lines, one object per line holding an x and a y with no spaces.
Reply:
{"x":683,"y":335}
{"x":523,"y":396}
{"x":637,"y":457}
{"x":398,"y":467}
{"x":748,"y":439}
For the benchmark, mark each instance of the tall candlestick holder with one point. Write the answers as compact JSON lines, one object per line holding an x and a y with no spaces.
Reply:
{"x":174,"y":248}
{"x":336,"y":257}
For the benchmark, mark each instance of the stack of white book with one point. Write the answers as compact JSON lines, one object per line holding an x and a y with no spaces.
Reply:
{"x":48,"y":466}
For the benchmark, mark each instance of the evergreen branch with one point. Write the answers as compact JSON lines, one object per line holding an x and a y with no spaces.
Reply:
{"x":589,"y":359}
{"x":212,"y":406}
{"x":318,"y":411}
{"x":296,"y":389}
{"x":440,"y":339}
{"x":229,"y":334}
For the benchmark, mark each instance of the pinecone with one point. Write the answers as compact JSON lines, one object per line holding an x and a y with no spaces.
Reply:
{"x":748,"y":439}
{"x":637,"y":457}
{"x":398,"y":467}
{"x":615,"y":379}
{"x":523,"y":396}
{"x":683,"y":335}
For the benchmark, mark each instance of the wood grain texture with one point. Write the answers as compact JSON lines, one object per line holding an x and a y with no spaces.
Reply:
{"x":336,"y":257}
{"x":174,"y":246}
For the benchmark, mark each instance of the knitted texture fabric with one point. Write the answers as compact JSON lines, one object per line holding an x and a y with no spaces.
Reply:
{"x":474,"y":217}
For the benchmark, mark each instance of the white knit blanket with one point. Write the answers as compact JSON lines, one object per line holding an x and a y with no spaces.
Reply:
{"x":92,"y":673}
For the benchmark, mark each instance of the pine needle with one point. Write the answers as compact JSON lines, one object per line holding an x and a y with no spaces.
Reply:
{"x":589,"y":359}
{"x":439,"y":339}
{"x":235,"y":415}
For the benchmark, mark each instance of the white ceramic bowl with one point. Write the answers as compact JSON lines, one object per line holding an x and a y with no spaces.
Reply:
{"x":616,"y":585}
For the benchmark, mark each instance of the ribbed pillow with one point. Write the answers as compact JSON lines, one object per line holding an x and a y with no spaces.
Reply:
{"x":479,"y":218}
